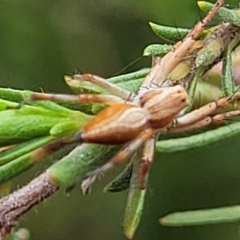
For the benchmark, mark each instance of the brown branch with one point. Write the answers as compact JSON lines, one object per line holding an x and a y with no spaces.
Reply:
{"x":16,"y":204}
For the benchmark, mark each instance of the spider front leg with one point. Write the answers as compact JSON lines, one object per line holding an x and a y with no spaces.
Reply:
{"x":82,"y":98}
{"x":108,"y":86}
{"x":210,"y":120}
{"x":124,"y":154}
{"x":204,"y":116}
{"x":118,"y":94}
{"x":148,"y":152}
{"x":159,"y":73}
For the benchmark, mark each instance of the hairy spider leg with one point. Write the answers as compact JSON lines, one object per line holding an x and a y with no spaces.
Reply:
{"x":201,"y":117}
{"x":146,"y":161}
{"x":204,"y":111}
{"x":108,"y":86}
{"x":124,"y":154}
{"x":210,"y":120}
{"x":81,"y":98}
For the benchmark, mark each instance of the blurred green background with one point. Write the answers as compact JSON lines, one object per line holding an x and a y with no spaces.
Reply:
{"x":40,"y":42}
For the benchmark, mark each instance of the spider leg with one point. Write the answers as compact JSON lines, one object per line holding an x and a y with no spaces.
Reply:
{"x":210,"y":120}
{"x":159,"y":73}
{"x":119,"y":158}
{"x":48,"y":149}
{"x":146,"y":161}
{"x":203,"y":111}
{"x":108,"y":86}
{"x":82,"y":98}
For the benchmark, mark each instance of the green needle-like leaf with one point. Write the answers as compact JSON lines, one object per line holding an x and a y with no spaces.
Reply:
{"x":18,"y":150}
{"x":83,"y":159}
{"x":202,"y":217}
{"x":135,"y":201}
{"x":227,"y":78}
{"x":18,"y":159}
{"x":198,"y":140}
{"x":172,"y":34}
{"x":157,"y":50}
{"x":121,"y":182}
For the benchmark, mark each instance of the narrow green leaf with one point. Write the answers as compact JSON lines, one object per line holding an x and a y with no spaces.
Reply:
{"x":130,"y":81}
{"x":13,"y":127}
{"x":206,"y":92}
{"x":18,"y":150}
{"x":5,"y":104}
{"x":22,"y":163}
{"x":79,"y":87}
{"x":202,"y":217}
{"x":172,"y":34}
{"x":227,"y":78}
{"x":83,"y":159}
{"x":14,"y":94}
{"x":132,"y":85}
{"x":157,"y":50}
{"x":192,"y":93}
{"x":198,"y":140}
{"x":66,"y":127}
{"x":133,"y":211}
{"x":181,"y":72}
{"x":130,"y":76}
{"x":121,"y":182}
{"x":210,"y":52}
{"x":52,"y":106}
{"x":135,"y":202}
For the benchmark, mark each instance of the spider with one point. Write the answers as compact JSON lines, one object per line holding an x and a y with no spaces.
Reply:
{"x":158,"y":107}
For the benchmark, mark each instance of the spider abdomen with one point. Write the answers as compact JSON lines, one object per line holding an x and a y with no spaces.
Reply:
{"x":115,"y":124}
